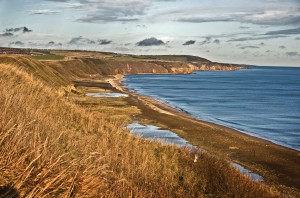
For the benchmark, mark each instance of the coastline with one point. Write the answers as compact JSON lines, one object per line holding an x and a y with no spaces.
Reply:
{"x":276,"y":163}
{"x":92,"y":129}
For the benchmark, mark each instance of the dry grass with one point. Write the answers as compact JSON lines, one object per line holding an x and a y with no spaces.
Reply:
{"x":51,"y":147}
{"x":114,"y":108}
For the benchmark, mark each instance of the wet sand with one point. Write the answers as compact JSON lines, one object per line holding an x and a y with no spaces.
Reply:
{"x":276,"y":164}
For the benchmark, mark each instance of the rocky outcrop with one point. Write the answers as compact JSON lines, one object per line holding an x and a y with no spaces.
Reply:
{"x":219,"y":67}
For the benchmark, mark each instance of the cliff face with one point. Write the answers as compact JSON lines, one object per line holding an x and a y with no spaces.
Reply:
{"x":219,"y":67}
{"x":135,"y":67}
{"x":83,"y":64}
{"x":164,"y":67}
{"x":95,"y":68}
{"x":65,"y":71}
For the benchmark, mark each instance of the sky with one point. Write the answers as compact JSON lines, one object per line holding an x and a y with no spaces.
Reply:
{"x":256,"y":32}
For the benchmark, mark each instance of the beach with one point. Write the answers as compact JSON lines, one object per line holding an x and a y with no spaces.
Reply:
{"x":276,"y":164}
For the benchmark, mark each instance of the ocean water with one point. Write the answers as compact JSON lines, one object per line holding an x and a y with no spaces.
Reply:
{"x":263,"y":101}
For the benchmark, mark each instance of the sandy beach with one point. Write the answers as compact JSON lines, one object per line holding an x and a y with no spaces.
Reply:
{"x":277,"y":164}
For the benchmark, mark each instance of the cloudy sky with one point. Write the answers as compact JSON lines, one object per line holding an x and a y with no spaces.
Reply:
{"x":260,"y":32}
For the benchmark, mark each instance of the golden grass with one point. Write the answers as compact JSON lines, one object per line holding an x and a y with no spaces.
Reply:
{"x":52,"y":147}
{"x":114,"y":108}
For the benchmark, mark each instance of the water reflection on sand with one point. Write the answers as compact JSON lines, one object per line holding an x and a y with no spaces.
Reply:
{"x":106,"y":95}
{"x":168,"y":137}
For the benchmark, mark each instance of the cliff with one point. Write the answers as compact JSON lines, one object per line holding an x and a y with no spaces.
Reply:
{"x":211,"y":66}
{"x":69,"y":68}
{"x":74,"y":64}
{"x":90,"y":67}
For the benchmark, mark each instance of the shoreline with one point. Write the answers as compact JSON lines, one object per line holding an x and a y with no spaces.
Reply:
{"x":220,"y":124}
{"x":276,"y":163}
{"x":118,"y":85}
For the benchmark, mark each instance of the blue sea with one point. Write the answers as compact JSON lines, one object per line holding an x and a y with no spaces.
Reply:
{"x":262,"y":101}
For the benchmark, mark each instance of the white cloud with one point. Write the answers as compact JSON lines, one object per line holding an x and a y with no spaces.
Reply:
{"x":41,"y":12}
{"x":286,"y":16}
{"x":274,"y":17}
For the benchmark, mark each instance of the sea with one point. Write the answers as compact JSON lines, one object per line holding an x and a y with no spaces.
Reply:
{"x":262,"y":101}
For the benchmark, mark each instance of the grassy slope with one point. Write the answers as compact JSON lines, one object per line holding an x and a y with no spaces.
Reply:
{"x":50,"y":146}
{"x":36,"y":68}
{"x":171,"y":58}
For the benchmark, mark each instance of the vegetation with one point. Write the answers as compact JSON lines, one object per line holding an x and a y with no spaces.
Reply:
{"x":183,"y":58}
{"x":48,"y":57}
{"x":54,"y":146}
{"x":127,"y":58}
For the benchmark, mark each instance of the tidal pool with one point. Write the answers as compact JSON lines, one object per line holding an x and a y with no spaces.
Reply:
{"x":106,"y":95}
{"x":156,"y":133}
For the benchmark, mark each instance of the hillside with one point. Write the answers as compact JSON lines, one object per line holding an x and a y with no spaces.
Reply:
{"x":64,"y":144}
{"x":112,"y":64}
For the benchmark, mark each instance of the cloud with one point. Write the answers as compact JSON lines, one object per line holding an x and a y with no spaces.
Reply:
{"x":255,"y":38}
{"x":190,"y":42}
{"x":292,"y":53}
{"x":201,"y":19}
{"x":141,"y":26}
{"x":285,"y":32}
{"x":6,"y":34}
{"x":261,"y":12}
{"x":273,"y":17}
{"x":206,"y":41}
{"x":11,"y":31}
{"x":278,"y":15}
{"x":150,"y":42}
{"x":52,"y":44}
{"x":23,"y":29}
{"x":298,"y":38}
{"x":81,"y":41}
{"x":262,"y":44}
{"x":249,"y":47}
{"x":217,"y":41}
{"x":281,"y":47}
{"x":43,"y":12}
{"x":244,"y":27}
{"x":58,"y":0}
{"x":105,"y":18}
{"x":257,"y":54}
{"x":104,"y":42}
{"x":101,"y":11}
{"x":17,"y":43}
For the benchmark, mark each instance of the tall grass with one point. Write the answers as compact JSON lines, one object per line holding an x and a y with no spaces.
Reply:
{"x":51,"y":147}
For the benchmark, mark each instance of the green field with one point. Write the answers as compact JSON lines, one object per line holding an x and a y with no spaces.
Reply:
{"x":48,"y":57}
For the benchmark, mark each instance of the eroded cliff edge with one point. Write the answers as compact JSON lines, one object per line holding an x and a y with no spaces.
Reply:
{"x":112,"y":64}
{"x":76,"y":64}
